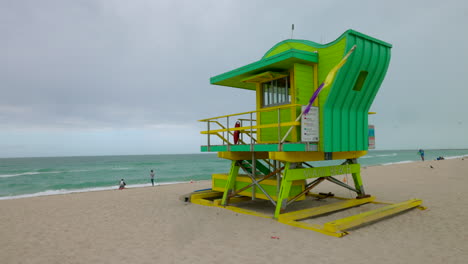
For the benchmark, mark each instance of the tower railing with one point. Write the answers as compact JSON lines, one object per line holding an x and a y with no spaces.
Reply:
{"x":224,"y":128}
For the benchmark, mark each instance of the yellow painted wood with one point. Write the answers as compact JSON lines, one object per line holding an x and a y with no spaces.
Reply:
{"x":240,"y":155}
{"x":299,"y":156}
{"x":335,"y":228}
{"x":306,"y":213}
{"x":326,"y":171}
{"x":247,"y":212}
{"x":233,"y":200}
{"x":284,"y":192}
{"x":230,"y":183}
{"x":203,"y":195}
{"x":202,"y":202}
{"x":264,"y":77}
{"x":313,"y":227}
{"x":359,"y":219}
{"x":217,"y":203}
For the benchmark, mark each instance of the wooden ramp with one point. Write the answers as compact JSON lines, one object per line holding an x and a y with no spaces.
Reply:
{"x":337,"y":228}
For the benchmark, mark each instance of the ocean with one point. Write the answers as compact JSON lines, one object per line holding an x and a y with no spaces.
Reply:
{"x":28,"y":177}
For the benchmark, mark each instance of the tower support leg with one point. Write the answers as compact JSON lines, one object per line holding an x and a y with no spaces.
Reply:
{"x":231,"y":182}
{"x":358,"y":181}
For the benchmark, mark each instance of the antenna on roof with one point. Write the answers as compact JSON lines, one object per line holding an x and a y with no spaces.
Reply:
{"x":292,"y":31}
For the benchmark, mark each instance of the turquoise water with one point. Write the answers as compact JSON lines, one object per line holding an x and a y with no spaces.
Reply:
{"x":25,"y":177}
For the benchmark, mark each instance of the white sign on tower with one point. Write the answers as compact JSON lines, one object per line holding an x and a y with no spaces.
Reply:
{"x":310,"y":125}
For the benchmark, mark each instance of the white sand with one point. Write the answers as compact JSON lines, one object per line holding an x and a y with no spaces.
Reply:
{"x":151,"y":225}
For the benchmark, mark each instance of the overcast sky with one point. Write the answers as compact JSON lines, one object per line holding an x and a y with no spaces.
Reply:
{"x":89,"y":77}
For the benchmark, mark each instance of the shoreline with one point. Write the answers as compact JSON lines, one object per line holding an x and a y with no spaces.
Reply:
{"x":133,"y":186}
{"x":85,"y":190}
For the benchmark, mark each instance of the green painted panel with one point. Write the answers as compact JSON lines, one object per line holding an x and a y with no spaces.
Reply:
{"x":310,"y":45}
{"x":294,"y":147}
{"x":304,"y":83}
{"x":271,"y":117}
{"x":261,"y":147}
{"x":258,"y":165}
{"x":213,"y":148}
{"x":266,"y":147}
{"x":345,"y":109}
{"x":262,"y":167}
{"x":290,"y":45}
{"x":240,"y":147}
{"x":304,"y":88}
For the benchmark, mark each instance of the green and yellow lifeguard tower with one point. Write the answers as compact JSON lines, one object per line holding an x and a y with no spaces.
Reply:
{"x":312,"y":104}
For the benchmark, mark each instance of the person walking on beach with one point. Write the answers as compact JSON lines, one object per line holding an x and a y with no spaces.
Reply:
{"x":421,"y":153}
{"x":122,"y":184}
{"x":152,"y":177}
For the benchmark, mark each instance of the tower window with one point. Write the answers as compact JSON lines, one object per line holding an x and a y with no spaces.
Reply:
{"x":360,"y":81}
{"x":276,"y":92}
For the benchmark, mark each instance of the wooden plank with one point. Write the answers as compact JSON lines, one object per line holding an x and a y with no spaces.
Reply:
{"x":306,"y":213}
{"x":313,"y":227}
{"x":359,"y":219}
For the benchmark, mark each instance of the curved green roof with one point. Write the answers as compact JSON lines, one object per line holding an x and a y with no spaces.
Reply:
{"x":277,"y":63}
{"x":311,"y":46}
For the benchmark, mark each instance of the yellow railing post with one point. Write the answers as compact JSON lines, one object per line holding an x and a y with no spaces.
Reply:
{"x":251,"y":133}
{"x":208,"y":124}
{"x":279,"y":130}
{"x":227,"y":127}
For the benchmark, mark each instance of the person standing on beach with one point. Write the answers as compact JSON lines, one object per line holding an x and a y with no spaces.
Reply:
{"x":421,"y":153}
{"x":122,"y":184}
{"x":152,"y":177}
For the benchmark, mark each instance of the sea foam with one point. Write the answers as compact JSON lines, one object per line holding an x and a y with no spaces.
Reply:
{"x":96,"y":189}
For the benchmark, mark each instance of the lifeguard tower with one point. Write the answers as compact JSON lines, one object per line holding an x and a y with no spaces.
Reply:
{"x":271,"y":147}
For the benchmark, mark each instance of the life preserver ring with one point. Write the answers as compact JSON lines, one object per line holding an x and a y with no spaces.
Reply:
{"x":236,"y":133}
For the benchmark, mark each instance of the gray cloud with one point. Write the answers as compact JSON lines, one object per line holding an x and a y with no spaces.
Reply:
{"x":136,"y":64}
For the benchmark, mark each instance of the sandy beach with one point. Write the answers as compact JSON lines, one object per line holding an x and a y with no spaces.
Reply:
{"x":151,"y":225}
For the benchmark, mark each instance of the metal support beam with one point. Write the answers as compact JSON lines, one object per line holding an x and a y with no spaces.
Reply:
{"x":307,"y":189}
{"x":342,"y":184}
{"x":255,"y":184}
{"x":254,"y":173}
